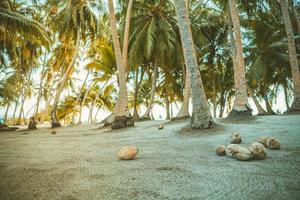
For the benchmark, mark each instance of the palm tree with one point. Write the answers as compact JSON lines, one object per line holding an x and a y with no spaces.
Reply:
{"x":292,"y":55}
{"x":76,"y":28}
{"x":240,"y":106}
{"x":121,"y":106}
{"x":201,"y":116}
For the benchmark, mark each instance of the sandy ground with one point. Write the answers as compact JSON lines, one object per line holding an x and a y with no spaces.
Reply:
{"x":80,"y":163}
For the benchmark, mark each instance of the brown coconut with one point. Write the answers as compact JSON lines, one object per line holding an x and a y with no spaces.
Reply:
{"x":263,"y":140}
{"x":238,"y":152}
{"x":235,"y":138}
{"x":258,"y":151}
{"x":221,"y":150}
{"x":273,"y":143}
{"x":128,"y":153}
{"x":161,"y":127}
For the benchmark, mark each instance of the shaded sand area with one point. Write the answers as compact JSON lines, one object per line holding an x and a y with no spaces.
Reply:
{"x":80,"y":163}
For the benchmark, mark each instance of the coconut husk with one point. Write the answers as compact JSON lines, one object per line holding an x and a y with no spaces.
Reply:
{"x":161,"y":127}
{"x":262,"y":140}
{"x":235,"y":138}
{"x":273,"y":143}
{"x":258,"y":151}
{"x":128,"y":153}
{"x":238,"y":152}
{"x":221,"y":150}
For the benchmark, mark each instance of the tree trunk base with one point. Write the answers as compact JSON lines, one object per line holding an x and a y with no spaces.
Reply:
{"x":122,"y":122}
{"x":295,"y":108}
{"x":145,"y":118}
{"x":180,"y":118}
{"x":204,"y":125}
{"x":243,"y":113}
{"x":32,"y":124}
{"x":55,"y":124}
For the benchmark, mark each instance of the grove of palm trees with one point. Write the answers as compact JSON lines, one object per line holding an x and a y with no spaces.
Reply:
{"x":176,"y":80}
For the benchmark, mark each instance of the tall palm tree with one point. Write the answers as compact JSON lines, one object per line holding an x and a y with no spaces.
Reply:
{"x":121,"y":106}
{"x":292,"y":55}
{"x":201,"y":116}
{"x":76,"y":28}
{"x":240,"y":106}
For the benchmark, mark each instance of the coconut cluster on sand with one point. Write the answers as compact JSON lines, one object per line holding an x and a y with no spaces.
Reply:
{"x":257,"y":150}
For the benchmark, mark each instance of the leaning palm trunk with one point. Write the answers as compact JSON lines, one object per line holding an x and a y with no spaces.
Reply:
{"x":260,"y":109}
{"x":295,"y":107}
{"x":6,"y":112}
{"x":240,"y":106}
{"x":121,"y":107}
{"x":268,"y":106}
{"x":83,"y":101}
{"x":15,"y":110}
{"x":201,"y":116}
{"x":184,"y":110}
{"x":146,"y":116}
{"x":54,"y":120}
{"x":78,"y":97}
{"x":25,"y":90}
{"x":40,"y":87}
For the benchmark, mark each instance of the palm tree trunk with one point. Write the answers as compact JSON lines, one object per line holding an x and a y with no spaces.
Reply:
{"x":83,"y":100}
{"x":240,"y":106}
{"x":41,"y":86}
{"x":286,"y":97}
{"x":167,"y":104}
{"x":214,"y":96}
{"x":95,"y":117}
{"x":268,"y":106}
{"x":296,"y":17}
{"x":25,"y":90}
{"x":135,"y":113}
{"x":152,"y":93}
{"x":78,"y":96}
{"x":137,"y":89}
{"x":260,"y":109}
{"x":201,"y":117}
{"x":222,"y":103}
{"x":54,"y":120}
{"x":184,"y":109}
{"x":292,"y":55}
{"x":15,"y":110}
{"x":121,"y":107}
{"x":6,"y":112}
{"x":126,"y":37}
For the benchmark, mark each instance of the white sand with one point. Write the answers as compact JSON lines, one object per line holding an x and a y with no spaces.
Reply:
{"x":81,"y":163}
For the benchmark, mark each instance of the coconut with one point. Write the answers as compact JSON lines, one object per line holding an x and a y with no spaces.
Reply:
{"x":231,"y":149}
{"x":258,"y":151}
{"x":243,"y":154}
{"x":221,"y":150}
{"x":262,"y":140}
{"x":273,"y":143}
{"x":53,"y":132}
{"x":238,"y":152}
{"x":161,"y":127}
{"x":235,"y":138}
{"x":128,"y":153}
